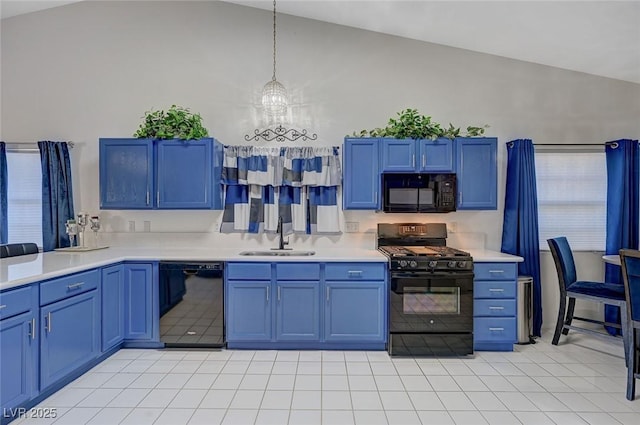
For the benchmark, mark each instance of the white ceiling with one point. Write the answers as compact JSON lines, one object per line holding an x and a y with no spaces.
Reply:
{"x":596,"y":37}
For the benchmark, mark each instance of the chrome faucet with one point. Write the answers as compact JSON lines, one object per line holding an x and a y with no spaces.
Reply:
{"x":280,"y":231}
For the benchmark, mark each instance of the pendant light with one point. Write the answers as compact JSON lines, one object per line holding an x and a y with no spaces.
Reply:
{"x":274,"y":96}
{"x":275,"y":103}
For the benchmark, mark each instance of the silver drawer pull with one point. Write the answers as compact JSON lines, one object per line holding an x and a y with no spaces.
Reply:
{"x":47,"y":323}
{"x":3,"y":306}
{"x":496,"y":329}
{"x":328,"y":289}
{"x":496,"y":289}
{"x":354,"y":273}
{"x":496,"y":308}
{"x":75,"y":285}
{"x":267,"y":288}
{"x":32,"y":329}
{"x":496,"y":271}
{"x":278,"y":293}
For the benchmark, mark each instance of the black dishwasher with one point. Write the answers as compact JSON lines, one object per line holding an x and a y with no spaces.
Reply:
{"x":191,"y":304}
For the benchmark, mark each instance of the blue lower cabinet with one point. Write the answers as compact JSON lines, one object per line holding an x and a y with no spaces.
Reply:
{"x":70,"y":336}
{"x":112,"y":306}
{"x":18,"y":360}
{"x":355,"y":311}
{"x":298,"y":311}
{"x":248,"y":311}
{"x":494,"y":306}
{"x":298,"y":306}
{"x":141,"y":304}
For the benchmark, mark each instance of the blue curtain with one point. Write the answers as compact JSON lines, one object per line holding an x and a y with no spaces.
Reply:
{"x":57,"y":194}
{"x":3,"y":194}
{"x":622,"y":210}
{"x":520,"y":225}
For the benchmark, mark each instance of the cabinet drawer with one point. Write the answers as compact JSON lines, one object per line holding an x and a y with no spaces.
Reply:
{"x":495,"y":271}
{"x":15,"y":302}
{"x":355,"y":271}
{"x":494,"y":289}
{"x":68,"y":286}
{"x":251,"y":271}
{"x":497,"y":307}
{"x":298,"y":271}
{"x":494,"y":329}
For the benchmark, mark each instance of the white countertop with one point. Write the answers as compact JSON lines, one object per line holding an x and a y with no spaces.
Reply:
{"x":21,"y":270}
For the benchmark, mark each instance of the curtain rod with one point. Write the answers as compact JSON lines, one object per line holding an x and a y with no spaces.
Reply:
{"x":16,"y":147}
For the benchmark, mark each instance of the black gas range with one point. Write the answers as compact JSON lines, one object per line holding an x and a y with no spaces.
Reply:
{"x":431,"y":291}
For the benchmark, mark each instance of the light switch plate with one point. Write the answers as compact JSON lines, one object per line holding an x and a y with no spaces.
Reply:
{"x":351,"y":227}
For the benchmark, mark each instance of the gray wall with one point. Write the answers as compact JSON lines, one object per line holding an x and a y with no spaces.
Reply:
{"x":91,"y":69}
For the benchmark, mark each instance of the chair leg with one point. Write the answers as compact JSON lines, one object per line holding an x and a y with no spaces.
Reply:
{"x":560,"y":322}
{"x":632,"y":365}
{"x":626,"y":328}
{"x":569,"y":318}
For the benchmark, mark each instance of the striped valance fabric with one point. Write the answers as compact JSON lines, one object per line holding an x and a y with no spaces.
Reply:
{"x":299,"y":184}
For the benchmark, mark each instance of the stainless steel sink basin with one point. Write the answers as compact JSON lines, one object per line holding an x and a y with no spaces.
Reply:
{"x":278,"y":253}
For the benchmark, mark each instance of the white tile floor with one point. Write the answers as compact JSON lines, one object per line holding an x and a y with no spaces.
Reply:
{"x":582,"y":381}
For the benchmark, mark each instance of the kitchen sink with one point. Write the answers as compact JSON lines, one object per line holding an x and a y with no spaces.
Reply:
{"x":278,"y":253}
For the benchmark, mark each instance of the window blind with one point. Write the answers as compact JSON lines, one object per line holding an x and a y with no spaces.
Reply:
{"x":572,"y":198}
{"x":24,"y":195}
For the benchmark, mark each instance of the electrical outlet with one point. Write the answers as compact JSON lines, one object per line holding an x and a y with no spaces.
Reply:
{"x":132,"y":226}
{"x":352,"y":227}
{"x":452,"y":226}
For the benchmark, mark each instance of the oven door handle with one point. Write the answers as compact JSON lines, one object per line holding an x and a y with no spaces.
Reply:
{"x":430,"y":275}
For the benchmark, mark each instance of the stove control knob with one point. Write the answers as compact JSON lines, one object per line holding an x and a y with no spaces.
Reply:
{"x":462,"y":264}
{"x":403,"y":263}
{"x":433,"y":264}
{"x":451,"y":264}
{"x":413,"y":264}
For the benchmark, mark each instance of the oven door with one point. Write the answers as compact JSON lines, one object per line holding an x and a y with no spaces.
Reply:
{"x":431,"y":302}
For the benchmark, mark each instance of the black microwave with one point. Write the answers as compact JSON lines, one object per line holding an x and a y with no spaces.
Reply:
{"x":405,"y":193}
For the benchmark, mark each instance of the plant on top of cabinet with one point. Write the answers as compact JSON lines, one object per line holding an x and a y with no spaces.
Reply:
{"x":174,"y":123}
{"x":410,"y":124}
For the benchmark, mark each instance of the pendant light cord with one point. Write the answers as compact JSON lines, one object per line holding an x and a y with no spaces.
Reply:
{"x":274,"y":41}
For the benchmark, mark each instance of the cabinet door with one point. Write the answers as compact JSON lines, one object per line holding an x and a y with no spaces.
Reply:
{"x":248,"y":310}
{"x":18,"y":360}
{"x":184,"y":174}
{"x":112,"y":306}
{"x":361,"y":185}
{"x":126,"y":174}
{"x":70,"y":336}
{"x":355,"y":311}
{"x":436,"y":155}
{"x":476,"y":167}
{"x":138,"y":301}
{"x":298,"y":311}
{"x":399,"y":155}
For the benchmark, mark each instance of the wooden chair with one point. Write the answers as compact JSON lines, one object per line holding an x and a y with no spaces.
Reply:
{"x":14,"y":249}
{"x":630,"y":261}
{"x":571,"y":288}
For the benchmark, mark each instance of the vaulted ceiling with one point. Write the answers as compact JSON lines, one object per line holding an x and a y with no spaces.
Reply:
{"x":596,"y":37}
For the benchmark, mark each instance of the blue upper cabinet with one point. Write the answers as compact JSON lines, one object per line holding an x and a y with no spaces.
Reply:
{"x":126,"y":174}
{"x":184,"y":174}
{"x":422,"y":155}
{"x":398,"y":155}
{"x":361,"y":185}
{"x":436,"y":155}
{"x":477,"y":170}
{"x":160,"y":174}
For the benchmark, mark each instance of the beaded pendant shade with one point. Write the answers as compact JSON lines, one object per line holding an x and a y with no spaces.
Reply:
{"x":274,"y":95}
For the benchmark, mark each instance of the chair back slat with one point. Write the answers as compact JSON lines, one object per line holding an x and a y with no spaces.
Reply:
{"x":563,"y":257}
{"x":630,"y":261}
{"x":15,"y":249}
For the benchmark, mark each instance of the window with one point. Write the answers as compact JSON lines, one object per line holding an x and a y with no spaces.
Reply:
{"x":24,"y":195}
{"x":572,"y":197}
